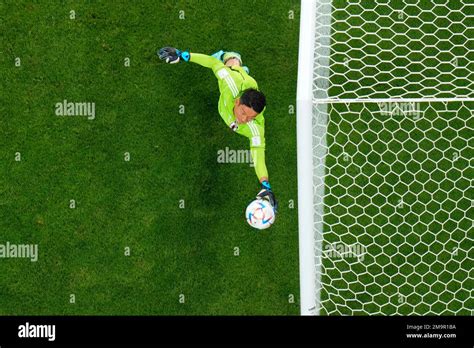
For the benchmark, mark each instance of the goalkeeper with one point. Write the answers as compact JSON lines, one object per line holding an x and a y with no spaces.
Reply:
{"x":241,"y":104}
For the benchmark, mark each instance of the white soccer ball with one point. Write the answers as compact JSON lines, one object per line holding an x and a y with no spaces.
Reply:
{"x":260,"y":214}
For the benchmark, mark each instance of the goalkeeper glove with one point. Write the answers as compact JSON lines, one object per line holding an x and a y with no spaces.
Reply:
{"x":267,"y":193}
{"x":172,"y":55}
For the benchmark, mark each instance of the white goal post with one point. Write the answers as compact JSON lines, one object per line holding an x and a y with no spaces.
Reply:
{"x":305,"y":158}
{"x":385,"y":106}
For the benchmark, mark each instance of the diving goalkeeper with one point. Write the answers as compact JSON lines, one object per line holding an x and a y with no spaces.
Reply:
{"x":241,"y":104}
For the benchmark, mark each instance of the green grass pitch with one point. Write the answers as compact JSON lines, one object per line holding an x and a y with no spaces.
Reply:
{"x":173,"y":157}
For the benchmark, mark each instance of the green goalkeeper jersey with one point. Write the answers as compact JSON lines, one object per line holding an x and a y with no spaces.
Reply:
{"x":233,"y":81}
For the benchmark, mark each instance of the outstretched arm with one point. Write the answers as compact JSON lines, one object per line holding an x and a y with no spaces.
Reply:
{"x":172,"y":55}
{"x":258,"y":157}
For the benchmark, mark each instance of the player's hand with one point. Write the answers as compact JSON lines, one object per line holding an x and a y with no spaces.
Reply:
{"x":172,"y":55}
{"x":267,"y":193}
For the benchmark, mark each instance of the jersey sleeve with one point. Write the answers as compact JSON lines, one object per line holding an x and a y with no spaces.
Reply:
{"x":258,"y":157}
{"x":207,"y":61}
{"x":255,"y":133}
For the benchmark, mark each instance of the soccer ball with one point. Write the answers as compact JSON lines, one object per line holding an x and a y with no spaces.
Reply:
{"x":260,"y":214}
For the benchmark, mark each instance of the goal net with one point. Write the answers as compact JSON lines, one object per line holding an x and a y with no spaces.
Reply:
{"x":385,"y":106}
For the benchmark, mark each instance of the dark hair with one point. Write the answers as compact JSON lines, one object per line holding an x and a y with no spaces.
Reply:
{"x":254,"y":99}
